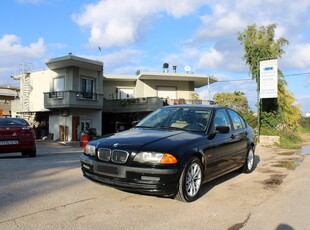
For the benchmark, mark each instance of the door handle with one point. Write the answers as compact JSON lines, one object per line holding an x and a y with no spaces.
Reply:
{"x":232,"y":136}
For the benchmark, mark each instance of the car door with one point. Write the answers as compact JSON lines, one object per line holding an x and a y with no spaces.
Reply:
{"x":239,"y":134}
{"x":220,"y":156}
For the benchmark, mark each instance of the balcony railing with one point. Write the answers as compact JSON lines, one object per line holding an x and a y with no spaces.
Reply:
{"x":85,"y":95}
{"x":187,"y":101}
{"x":56,"y":94}
{"x":79,"y":95}
{"x":74,"y":99}
{"x":145,"y":104}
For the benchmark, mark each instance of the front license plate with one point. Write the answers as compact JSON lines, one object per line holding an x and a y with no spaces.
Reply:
{"x":107,"y":169}
{"x":8,"y":142}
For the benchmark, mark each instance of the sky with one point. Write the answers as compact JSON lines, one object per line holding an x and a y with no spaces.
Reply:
{"x":143,"y":34}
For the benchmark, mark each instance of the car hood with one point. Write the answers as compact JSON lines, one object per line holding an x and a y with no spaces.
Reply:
{"x":148,"y":140}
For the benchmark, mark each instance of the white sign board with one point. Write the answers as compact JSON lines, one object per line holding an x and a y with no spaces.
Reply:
{"x":268,"y":78}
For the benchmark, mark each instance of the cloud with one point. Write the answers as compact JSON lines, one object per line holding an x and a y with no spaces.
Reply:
{"x":210,"y":59}
{"x":175,"y":60}
{"x":10,"y":46}
{"x":222,"y":23}
{"x":118,"y":23}
{"x":13,"y":53}
{"x":229,"y":85}
{"x":297,"y":56}
{"x":304,"y":102}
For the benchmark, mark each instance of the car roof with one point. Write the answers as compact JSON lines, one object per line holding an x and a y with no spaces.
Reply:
{"x":11,"y":118}
{"x":197,"y":106}
{"x":5,"y":120}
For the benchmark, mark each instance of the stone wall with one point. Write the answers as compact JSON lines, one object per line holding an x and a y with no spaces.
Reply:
{"x":268,"y":140}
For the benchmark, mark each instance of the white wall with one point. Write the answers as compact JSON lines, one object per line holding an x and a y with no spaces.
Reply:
{"x":182,"y":88}
{"x":92,"y":115}
{"x":54,"y":121}
{"x":40,"y":83}
{"x":109,"y":88}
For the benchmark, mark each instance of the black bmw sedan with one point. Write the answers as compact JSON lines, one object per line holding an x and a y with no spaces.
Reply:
{"x":172,"y":151}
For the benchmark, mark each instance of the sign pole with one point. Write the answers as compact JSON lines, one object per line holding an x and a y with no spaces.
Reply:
{"x":267,"y":84}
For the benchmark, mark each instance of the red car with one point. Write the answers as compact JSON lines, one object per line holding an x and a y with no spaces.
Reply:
{"x":16,"y":135}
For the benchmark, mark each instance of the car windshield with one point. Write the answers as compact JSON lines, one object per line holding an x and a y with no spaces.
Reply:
{"x":12,"y":122}
{"x":184,"y":118}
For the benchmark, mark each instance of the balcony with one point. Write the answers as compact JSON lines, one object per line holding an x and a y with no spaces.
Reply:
{"x":72,"y":99}
{"x":145,"y":104}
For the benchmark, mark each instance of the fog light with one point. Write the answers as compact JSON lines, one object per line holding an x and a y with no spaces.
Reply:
{"x":150,"y":178}
{"x":86,"y":166}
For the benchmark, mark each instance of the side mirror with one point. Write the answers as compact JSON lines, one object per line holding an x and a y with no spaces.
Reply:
{"x":134,"y":123}
{"x":222,"y":129}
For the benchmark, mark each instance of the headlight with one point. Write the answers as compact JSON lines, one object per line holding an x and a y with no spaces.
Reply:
{"x":90,"y":150}
{"x":155,"y":158}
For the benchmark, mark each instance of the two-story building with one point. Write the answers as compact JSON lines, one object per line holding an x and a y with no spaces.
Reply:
{"x":73,"y":95}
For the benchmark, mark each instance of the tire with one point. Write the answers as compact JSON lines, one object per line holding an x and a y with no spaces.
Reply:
{"x":249,"y":163}
{"x":30,"y":153}
{"x":190,"y":181}
{"x":33,"y":153}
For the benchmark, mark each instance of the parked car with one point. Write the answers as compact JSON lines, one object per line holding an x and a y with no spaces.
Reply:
{"x":16,"y":135}
{"x":172,"y":151}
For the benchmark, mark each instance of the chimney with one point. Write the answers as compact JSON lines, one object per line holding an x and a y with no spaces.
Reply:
{"x":174,"y":68}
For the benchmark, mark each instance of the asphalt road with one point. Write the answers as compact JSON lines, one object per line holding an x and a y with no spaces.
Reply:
{"x":49,"y":192}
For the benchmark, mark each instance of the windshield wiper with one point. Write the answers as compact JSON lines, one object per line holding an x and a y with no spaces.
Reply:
{"x":143,"y":126}
{"x":169,"y":127}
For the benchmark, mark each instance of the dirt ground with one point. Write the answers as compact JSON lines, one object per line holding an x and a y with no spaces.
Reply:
{"x":58,"y":197}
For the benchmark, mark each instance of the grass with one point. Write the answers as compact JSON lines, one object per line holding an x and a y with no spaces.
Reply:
{"x":287,"y":144}
{"x":291,"y":142}
{"x":305,"y":130}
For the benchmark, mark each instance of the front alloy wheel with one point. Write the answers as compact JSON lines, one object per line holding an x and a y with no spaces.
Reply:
{"x":190,"y":181}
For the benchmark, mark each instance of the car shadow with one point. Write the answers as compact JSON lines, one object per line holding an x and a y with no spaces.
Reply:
{"x":11,"y":156}
{"x":208,"y":186}
{"x":213,"y":183}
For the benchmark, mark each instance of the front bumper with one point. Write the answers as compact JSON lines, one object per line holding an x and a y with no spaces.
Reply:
{"x":163,"y":182}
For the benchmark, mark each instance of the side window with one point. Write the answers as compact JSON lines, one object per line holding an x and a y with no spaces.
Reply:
{"x":221,"y":118}
{"x":237,"y":121}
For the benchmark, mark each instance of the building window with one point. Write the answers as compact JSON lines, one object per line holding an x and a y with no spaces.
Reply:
{"x":58,"y":84}
{"x":87,"y":87}
{"x":58,"y":88}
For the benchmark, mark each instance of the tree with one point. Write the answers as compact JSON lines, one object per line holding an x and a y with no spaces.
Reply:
{"x":235,"y":100}
{"x":239,"y":102}
{"x":277,"y":114}
{"x":260,"y":44}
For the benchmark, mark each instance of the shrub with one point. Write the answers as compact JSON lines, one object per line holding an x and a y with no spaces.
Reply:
{"x":290,"y":139}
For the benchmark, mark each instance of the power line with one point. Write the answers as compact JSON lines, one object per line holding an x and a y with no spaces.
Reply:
{"x":246,"y":79}
{"x":296,"y":74}
{"x":250,"y":79}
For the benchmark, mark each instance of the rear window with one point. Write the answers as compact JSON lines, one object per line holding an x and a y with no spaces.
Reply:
{"x":13,"y":122}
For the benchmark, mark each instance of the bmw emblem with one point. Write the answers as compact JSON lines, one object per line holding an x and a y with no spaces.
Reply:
{"x":115,"y":145}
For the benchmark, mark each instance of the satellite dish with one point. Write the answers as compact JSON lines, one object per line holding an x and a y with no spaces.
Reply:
{"x":187,"y":68}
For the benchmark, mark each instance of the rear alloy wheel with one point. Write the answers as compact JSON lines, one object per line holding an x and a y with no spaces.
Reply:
{"x":190,"y":181}
{"x":248,"y":166}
